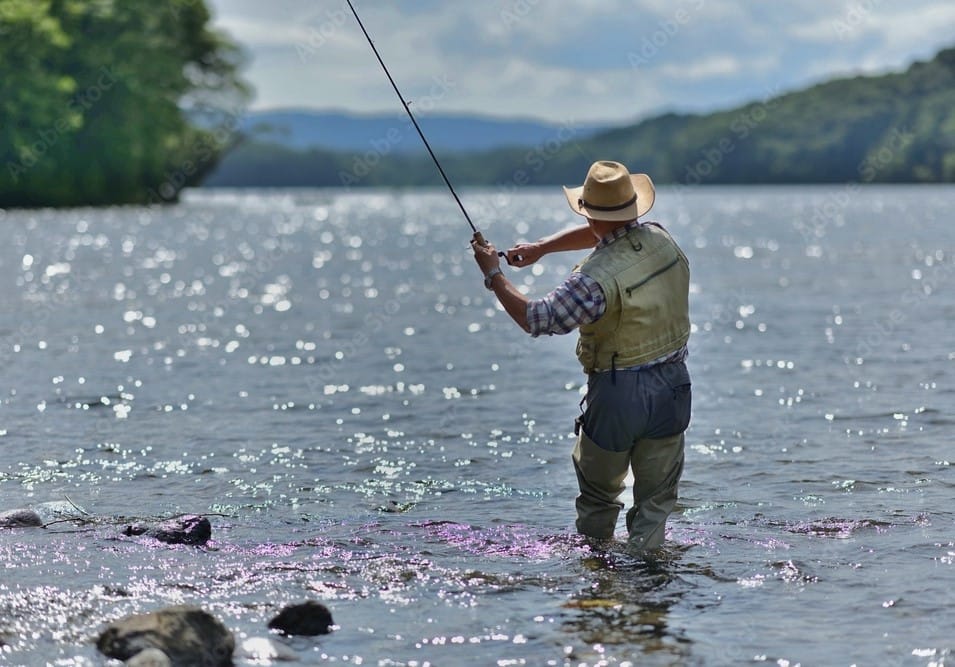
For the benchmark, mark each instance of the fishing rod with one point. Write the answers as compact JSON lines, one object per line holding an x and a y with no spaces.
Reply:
{"x":477,"y":235}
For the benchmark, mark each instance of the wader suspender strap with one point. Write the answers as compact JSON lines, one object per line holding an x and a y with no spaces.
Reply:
{"x":579,"y":419}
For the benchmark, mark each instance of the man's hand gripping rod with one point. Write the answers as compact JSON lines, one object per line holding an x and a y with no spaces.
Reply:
{"x":478,"y":237}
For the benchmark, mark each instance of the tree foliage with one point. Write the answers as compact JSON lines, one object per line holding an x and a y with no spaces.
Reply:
{"x":98,"y":100}
{"x":892,"y":128}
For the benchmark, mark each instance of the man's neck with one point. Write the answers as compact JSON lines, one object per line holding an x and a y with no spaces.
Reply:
{"x":603,"y":228}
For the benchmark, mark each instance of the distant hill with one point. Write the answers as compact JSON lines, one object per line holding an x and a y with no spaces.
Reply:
{"x":897,"y":127}
{"x":339,"y":131}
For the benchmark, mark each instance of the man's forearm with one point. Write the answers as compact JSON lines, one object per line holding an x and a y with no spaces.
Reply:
{"x":515,"y":303}
{"x":574,"y":238}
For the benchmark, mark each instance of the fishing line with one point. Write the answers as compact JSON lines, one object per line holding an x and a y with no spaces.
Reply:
{"x":477,"y":235}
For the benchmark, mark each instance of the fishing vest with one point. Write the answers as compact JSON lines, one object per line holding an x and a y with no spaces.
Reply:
{"x":645,"y":278}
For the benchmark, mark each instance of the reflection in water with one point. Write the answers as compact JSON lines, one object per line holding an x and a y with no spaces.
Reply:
{"x":627,"y":604}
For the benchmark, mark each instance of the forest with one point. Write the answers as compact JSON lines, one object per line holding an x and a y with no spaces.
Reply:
{"x":98,"y":100}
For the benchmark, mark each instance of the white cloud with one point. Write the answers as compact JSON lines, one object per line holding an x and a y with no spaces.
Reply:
{"x":556,"y":60}
{"x":721,"y":65}
{"x":255,"y":33}
{"x":912,"y":29}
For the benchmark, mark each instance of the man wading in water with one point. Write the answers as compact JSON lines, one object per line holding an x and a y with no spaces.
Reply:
{"x":629,"y":300}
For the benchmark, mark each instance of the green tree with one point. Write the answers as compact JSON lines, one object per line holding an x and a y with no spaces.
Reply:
{"x":112,"y":101}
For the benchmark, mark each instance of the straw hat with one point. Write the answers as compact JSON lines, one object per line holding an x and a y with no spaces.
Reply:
{"x":611,"y":193}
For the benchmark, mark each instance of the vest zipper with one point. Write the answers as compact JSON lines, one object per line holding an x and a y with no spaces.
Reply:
{"x":630,"y":289}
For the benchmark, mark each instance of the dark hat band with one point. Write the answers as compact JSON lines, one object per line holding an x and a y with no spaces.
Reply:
{"x":583,"y":203}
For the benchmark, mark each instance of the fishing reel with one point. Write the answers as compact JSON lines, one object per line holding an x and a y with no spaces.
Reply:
{"x":479,"y":239}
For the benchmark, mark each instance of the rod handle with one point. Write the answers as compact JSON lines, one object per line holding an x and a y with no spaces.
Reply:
{"x":479,"y":239}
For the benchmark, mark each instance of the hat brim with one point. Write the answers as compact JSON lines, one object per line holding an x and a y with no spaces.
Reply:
{"x":642,"y":186}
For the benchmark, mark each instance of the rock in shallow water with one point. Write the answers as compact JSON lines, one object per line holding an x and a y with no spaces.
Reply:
{"x":306,"y":618}
{"x":264,"y":650}
{"x":189,"y":529}
{"x":20,"y":518}
{"x":186,"y":635}
{"x":151,"y":657}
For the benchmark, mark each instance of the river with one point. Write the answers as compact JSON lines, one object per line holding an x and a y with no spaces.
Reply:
{"x":323,"y":375}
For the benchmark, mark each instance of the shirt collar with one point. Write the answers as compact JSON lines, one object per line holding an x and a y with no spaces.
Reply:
{"x":617,"y":233}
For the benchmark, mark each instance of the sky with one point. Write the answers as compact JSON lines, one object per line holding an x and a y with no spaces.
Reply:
{"x":570,"y":61}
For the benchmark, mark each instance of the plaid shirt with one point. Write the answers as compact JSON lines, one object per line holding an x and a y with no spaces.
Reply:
{"x":576,"y":301}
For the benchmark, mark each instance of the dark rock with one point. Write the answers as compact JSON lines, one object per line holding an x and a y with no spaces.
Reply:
{"x":19,"y":519}
{"x":186,"y":635}
{"x":305,"y":618}
{"x":189,"y":529}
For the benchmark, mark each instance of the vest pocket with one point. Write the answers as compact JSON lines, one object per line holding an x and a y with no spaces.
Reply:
{"x":631,"y":288}
{"x":587,"y":351}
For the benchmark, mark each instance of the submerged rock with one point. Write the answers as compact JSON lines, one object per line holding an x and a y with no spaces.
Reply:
{"x":190,"y":529}
{"x":60,"y":509}
{"x":264,"y":650}
{"x":186,"y":635}
{"x":305,"y":618}
{"x":151,"y":657}
{"x":20,"y":518}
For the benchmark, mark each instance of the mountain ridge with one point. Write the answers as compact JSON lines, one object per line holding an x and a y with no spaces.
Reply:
{"x":896,"y":127}
{"x":339,"y":130}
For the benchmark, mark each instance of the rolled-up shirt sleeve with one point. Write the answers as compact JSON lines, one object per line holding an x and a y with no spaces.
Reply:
{"x":575,"y":302}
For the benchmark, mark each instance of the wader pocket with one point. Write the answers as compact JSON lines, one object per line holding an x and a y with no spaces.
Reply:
{"x":682,"y":400}
{"x":672,"y":401}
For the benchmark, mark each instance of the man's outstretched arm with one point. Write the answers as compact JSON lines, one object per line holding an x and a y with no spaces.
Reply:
{"x":515,"y":303}
{"x":573,"y":238}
